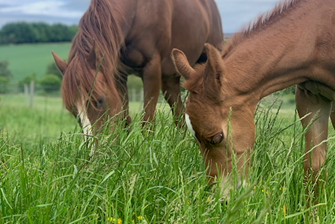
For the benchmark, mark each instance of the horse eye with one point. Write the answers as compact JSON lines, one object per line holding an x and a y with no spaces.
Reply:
{"x":217,"y":139}
{"x":99,"y":102}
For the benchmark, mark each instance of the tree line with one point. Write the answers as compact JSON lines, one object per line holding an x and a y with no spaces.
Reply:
{"x":22,"y":32}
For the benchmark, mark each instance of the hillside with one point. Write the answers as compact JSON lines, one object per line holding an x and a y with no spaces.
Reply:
{"x":26,"y":59}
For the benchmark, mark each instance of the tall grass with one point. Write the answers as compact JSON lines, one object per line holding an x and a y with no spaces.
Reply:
{"x":156,"y":176}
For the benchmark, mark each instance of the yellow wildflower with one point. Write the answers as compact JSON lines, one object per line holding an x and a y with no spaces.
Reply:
{"x":140,"y":217}
{"x":208,"y":200}
{"x":119,"y":221}
{"x":254,"y":187}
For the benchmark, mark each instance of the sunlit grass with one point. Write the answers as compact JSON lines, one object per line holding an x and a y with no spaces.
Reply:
{"x":149,"y":176}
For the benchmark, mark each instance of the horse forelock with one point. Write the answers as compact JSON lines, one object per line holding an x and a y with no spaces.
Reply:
{"x":259,"y":24}
{"x":196,"y":80}
{"x":79,"y":84}
{"x":99,"y":24}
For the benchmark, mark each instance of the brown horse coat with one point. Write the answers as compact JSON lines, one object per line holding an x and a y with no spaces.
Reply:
{"x":292,"y":44}
{"x":134,"y":37}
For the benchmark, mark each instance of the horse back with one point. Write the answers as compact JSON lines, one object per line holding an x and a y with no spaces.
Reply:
{"x":167,"y":24}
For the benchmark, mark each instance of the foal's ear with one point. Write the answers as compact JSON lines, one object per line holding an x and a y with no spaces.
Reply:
{"x":214,"y":68}
{"x":61,"y":65}
{"x":93,"y":58}
{"x":181,"y":64}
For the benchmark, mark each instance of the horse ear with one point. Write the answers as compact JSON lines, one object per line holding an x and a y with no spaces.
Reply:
{"x":214,"y":68}
{"x":93,"y":58}
{"x":181,"y":64}
{"x":61,"y":65}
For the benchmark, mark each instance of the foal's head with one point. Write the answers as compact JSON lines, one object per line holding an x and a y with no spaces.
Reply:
{"x":88,"y":93}
{"x":219,"y":120}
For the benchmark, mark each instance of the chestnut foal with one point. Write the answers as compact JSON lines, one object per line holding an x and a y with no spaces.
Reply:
{"x":292,"y":44}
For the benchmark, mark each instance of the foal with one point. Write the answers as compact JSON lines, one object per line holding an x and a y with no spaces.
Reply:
{"x":293,"y":44}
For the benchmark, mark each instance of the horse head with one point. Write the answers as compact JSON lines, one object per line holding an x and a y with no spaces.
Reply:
{"x":87,"y":92}
{"x":221,"y":122}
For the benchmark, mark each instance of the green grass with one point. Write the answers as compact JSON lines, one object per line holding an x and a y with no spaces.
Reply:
{"x":155,"y":175}
{"x":26,"y":59}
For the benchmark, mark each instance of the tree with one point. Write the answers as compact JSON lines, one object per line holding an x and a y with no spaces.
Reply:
{"x":3,"y":85}
{"x":5,"y":75}
{"x":51,"y":83}
{"x":28,"y":79}
{"x":134,"y":82}
{"x":4,"y":71}
{"x":52,"y":69}
{"x":22,"y":32}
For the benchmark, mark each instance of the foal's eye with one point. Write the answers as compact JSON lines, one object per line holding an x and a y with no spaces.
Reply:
{"x":217,"y":139}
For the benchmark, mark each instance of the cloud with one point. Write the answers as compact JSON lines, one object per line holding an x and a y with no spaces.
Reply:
{"x":234,"y":13}
{"x":42,"y":8}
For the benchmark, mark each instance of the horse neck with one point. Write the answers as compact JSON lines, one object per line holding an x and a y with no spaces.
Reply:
{"x":284,"y":54}
{"x":126,"y":11}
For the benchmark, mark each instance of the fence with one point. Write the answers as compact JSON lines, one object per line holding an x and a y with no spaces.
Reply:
{"x":31,"y":90}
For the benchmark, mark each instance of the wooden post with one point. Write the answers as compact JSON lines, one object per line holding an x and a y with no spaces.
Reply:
{"x":142,"y":96}
{"x":26,"y":94}
{"x":142,"y":99}
{"x":32,"y":88}
{"x":133,"y":93}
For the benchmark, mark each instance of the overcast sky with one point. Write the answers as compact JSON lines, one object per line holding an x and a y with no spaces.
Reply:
{"x":234,"y":13}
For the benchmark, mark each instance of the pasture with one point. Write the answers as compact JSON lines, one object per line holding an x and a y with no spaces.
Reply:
{"x":25,"y":59}
{"x":154,"y":176}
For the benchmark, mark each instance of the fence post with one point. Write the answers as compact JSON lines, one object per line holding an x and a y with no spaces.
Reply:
{"x":32,"y":88}
{"x":133,"y":95}
{"x":142,"y":96}
{"x":142,"y":99}
{"x":26,"y":94}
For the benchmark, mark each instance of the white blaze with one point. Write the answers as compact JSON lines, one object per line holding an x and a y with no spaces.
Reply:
{"x":85,"y":122}
{"x":189,"y":125}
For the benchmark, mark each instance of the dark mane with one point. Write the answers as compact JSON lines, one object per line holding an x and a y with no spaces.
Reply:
{"x":99,"y":24}
{"x":260,"y":24}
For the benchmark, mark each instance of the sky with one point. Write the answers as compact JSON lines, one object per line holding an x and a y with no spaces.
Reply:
{"x":234,"y":13}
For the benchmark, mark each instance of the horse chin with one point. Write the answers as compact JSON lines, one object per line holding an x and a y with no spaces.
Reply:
{"x":227,"y":185}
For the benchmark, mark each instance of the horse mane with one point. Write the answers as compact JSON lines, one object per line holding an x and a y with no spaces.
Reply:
{"x":263,"y":21}
{"x":99,"y":24}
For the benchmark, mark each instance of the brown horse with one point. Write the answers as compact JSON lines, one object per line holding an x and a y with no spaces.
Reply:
{"x":121,"y":37}
{"x":293,"y":44}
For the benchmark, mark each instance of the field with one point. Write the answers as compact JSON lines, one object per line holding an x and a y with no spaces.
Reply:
{"x":26,"y":59}
{"x":154,"y":176}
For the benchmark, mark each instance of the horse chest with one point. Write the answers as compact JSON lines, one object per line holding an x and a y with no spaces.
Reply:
{"x":133,"y":58}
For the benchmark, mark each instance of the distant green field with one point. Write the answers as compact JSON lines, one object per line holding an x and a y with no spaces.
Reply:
{"x":26,"y":59}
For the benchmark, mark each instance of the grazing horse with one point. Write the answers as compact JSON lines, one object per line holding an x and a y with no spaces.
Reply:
{"x":292,"y":44}
{"x":121,"y":37}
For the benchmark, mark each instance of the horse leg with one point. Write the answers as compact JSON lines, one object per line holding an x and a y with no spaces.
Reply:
{"x":317,"y":108}
{"x":332,"y":115}
{"x":171,"y":91}
{"x":151,"y":76}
